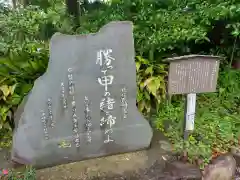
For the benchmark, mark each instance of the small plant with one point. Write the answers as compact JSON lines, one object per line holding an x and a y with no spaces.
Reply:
{"x":28,"y":174}
{"x":151,"y":84}
{"x":6,"y":92}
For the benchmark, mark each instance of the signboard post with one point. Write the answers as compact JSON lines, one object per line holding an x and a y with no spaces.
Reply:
{"x":189,"y":113}
{"x":190,"y":75}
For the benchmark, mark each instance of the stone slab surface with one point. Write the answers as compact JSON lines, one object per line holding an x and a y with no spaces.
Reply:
{"x":84,"y":106}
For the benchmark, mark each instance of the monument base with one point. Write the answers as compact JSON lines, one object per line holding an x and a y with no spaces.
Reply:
{"x":140,"y":165}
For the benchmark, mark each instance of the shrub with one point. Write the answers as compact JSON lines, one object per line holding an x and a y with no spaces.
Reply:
{"x":151,"y":84}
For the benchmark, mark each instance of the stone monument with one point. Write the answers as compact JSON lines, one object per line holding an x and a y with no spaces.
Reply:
{"x":84,"y":106}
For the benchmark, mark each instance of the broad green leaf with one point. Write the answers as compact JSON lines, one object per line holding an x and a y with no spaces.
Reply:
{"x":236,"y":32}
{"x":139,"y":58}
{"x":142,"y":60}
{"x":14,"y":100}
{"x":149,"y":80}
{"x":157,"y":82}
{"x":149,"y":70}
{"x":12,"y":88}
{"x":138,"y":65}
{"x":4,"y":72}
{"x":221,"y":90}
{"x":142,"y":85}
{"x":4,"y":110}
{"x":2,"y":80}
{"x":139,"y":95}
{"x":25,"y":88}
{"x":9,"y":64}
{"x":141,"y":106}
{"x":147,"y":96}
{"x":6,"y":90}
{"x":161,"y":67}
{"x":152,"y":87}
{"x":25,"y":66}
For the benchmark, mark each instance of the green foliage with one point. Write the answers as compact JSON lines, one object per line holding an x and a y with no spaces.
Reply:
{"x":20,"y":27}
{"x":217,"y":120}
{"x":174,"y":26}
{"x":28,"y":174}
{"x":151,"y":84}
{"x":18,"y":71}
{"x":6,"y":93}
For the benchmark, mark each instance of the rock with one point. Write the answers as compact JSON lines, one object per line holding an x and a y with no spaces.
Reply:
{"x":221,"y":168}
{"x":84,"y":106}
{"x":155,"y":173}
{"x":178,"y":170}
{"x":236,"y":154}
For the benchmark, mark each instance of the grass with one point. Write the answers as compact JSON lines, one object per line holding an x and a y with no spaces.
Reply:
{"x":28,"y":174}
{"x":5,"y":138}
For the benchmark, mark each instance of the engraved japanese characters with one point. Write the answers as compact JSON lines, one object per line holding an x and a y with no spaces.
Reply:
{"x":193,"y":74}
{"x":71,"y":92}
{"x":124,"y":103}
{"x":104,"y":59}
{"x":88,"y":119}
{"x":84,"y":106}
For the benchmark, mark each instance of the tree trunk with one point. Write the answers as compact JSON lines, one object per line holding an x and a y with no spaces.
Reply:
{"x":14,"y":2}
{"x":236,"y":63}
{"x":22,"y":2}
{"x":73,"y":10}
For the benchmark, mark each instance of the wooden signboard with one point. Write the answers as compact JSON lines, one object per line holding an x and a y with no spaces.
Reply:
{"x":193,"y":74}
{"x":190,"y":75}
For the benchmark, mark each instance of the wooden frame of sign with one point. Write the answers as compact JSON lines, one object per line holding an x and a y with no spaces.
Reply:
{"x":189,"y":75}
{"x":193,"y":74}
